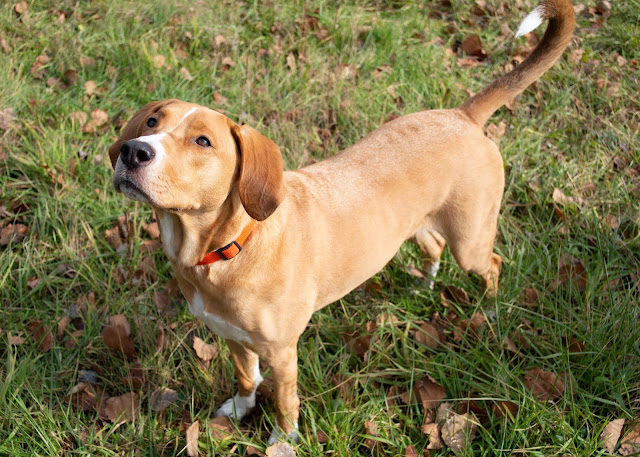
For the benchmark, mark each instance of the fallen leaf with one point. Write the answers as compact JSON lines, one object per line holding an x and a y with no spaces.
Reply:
{"x":123,"y":408}
{"x":227,"y":62}
{"x":544,"y":385}
{"x":432,"y":430}
{"x":160,"y":338}
{"x":219,"y":40}
{"x":452,"y":294}
{"x":8,"y":118}
{"x":162,"y":302}
{"x":428,"y":335}
{"x":371,"y":429}
{"x":630,"y":444}
{"x":219,"y":98}
{"x":85,"y":397}
{"x":13,"y":233}
{"x":42,"y":335}
{"x":410,"y":452}
{"x":205,"y":351}
{"x":280,"y":450}
{"x":185,"y":74}
{"x":429,"y":392}
{"x":611,"y":434}
{"x":576,"y":56}
{"x":572,"y":272}
{"x":159,"y":61}
{"x":192,"y":439}
{"x":162,"y":398}
{"x":472,"y":46}
{"x":21,"y":7}
{"x":98,"y":118}
{"x":221,"y":427}
{"x":15,"y":340}
{"x":457,"y":430}
{"x":253,"y":451}
{"x":116,"y":335}
{"x":321,"y":437}
{"x":38,"y":69}
{"x":62,"y":326}
{"x":78,"y":117}
{"x":90,"y":87}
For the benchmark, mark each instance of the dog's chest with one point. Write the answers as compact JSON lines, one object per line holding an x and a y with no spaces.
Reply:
{"x":215,"y":323}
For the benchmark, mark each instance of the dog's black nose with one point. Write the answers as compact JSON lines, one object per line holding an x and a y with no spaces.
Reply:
{"x":135,"y":154}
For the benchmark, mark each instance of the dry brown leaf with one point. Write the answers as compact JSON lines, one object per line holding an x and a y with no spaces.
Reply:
{"x":90,"y":87}
{"x":159,"y":61}
{"x":452,"y":294}
{"x":135,"y":378}
{"x":544,"y":385}
{"x":227,"y":62}
{"x":116,"y":335}
{"x":98,"y":119}
{"x":123,"y":408}
{"x":219,"y":98}
{"x":13,"y":233}
{"x":429,"y":392}
{"x":86,"y":397}
{"x":42,"y":335}
{"x":321,"y":437}
{"x":192,"y":439}
{"x":576,"y":56}
{"x":572,"y":272}
{"x":185,"y":74}
{"x":432,"y":430}
{"x":472,"y":46}
{"x":457,"y":430}
{"x":630,"y":444}
{"x":410,"y":452}
{"x":162,"y":398}
{"x":62,"y":326}
{"x":253,"y":451}
{"x":280,"y":450}
{"x":204,"y":351}
{"x":428,"y":335}
{"x":38,"y":69}
{"x":15,"y":340}
{"x":611,"y":434}
{"x":219,"y":40}
{"x":21,"y":7}
{"x":371,"y":429}
{"x":78,"y":117}
{"x":221,"y":427}
{"x":8,"y":118}
{"x":503,"y":408}
{"x":162,"y":302}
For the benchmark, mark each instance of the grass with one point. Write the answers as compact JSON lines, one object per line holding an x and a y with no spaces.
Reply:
{"x":315,"y":95}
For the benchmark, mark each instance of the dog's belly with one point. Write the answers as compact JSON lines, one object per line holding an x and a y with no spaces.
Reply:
{"x":215,"y":323}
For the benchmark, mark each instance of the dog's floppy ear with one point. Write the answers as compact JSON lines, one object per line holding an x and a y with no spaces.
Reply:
{"x":134,"y":127}
{"x":260,"y":182}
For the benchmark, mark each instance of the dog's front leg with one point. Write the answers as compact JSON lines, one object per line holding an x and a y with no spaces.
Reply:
{"x":284,"y":367}
{"x":247,"y":371}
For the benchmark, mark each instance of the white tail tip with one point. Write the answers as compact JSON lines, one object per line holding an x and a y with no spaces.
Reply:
{"x":531,"y":22}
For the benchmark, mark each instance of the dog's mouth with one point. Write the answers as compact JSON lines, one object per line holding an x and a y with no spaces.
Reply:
{"x":130,"y":189}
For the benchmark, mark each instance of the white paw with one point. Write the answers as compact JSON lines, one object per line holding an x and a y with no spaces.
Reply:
{"x":278,"y":436}
{"x":432,"y":271}
{"x":237,"y":407}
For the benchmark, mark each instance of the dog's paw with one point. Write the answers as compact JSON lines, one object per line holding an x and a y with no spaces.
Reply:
{"x":278,"y":436}
{"x":237,"y":406}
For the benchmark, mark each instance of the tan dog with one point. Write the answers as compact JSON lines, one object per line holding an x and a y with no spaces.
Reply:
{"x":325,"y":229}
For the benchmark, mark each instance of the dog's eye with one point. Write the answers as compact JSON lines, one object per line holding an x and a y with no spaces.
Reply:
{"x":152,"y":122}
{"x":203,"y":141}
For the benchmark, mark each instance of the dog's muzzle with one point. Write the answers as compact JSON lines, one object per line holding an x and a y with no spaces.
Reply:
{"x":135,"y":154}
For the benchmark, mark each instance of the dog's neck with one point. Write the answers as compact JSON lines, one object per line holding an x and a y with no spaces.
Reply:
{"x":188,"y":236}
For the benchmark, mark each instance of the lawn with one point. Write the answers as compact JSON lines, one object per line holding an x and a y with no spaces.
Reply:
{"x":559,"y":345}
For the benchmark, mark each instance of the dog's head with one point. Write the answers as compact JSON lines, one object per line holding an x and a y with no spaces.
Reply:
{"x":179,"y":156}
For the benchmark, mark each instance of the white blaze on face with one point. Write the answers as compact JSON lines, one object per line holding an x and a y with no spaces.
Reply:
{"x":166,"y":223}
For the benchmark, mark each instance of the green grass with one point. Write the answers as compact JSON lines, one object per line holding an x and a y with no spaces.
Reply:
{"x":564,"y":133}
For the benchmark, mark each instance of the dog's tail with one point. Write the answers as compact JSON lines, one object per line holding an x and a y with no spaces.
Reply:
{"x":561,"y":19}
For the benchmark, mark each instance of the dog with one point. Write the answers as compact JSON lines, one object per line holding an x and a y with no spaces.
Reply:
{"x":257,"y":250}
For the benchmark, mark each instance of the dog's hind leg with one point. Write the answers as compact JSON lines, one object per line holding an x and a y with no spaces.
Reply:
{"x":431,"y":245}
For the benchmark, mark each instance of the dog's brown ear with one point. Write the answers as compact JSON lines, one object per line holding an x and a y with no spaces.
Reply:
{"x":260,"y":182}
{"x":134,"y":127}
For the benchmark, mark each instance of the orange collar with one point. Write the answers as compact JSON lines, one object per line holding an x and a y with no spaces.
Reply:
{"x":230,"y":250}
